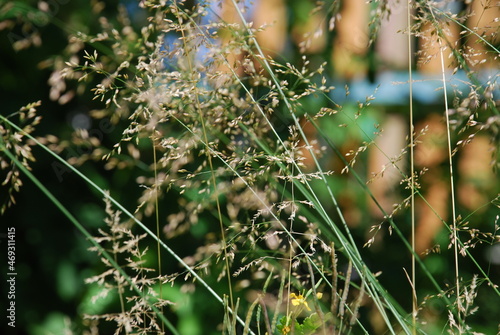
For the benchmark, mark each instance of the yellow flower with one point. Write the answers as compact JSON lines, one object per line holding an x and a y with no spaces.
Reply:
{"x":285,"y":330}
{"x":298,"y":300}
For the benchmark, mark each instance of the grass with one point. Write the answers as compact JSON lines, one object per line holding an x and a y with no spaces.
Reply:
{"x":244,"y":156}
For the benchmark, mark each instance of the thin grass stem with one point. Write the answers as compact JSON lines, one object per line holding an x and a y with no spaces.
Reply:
{"x":412,"y":171}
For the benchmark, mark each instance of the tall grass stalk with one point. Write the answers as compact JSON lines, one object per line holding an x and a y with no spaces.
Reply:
{"x":452,"y":182}
{"x":157,"y":215}
{"x":412,"y":169}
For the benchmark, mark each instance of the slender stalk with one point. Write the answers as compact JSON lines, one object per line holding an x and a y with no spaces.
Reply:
{"x":412,"y":175}
{"x":290,"y":257}
{"x":157,"y":218}
{"x":452,"y":183}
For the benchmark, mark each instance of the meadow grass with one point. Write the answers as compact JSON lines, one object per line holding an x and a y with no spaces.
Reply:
{"x":277,"y":225}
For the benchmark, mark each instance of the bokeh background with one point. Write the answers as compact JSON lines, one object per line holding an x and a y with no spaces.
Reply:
{"x":52,"y":260}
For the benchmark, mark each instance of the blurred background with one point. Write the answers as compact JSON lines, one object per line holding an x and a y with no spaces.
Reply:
{"x":367,"y":59}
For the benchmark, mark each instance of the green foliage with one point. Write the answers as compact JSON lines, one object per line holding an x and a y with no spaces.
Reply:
{"x":231,"y":176}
